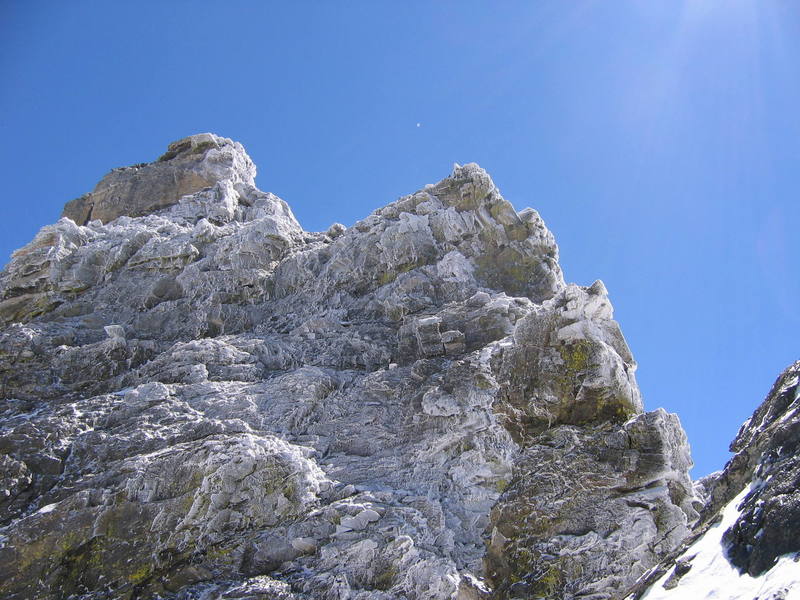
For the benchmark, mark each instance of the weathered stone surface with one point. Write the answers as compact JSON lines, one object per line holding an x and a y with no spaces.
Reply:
{"x":188,"y":166}
{"x":200,"y":399}
{"x":147,"y":512}
{"x":583,"y":499}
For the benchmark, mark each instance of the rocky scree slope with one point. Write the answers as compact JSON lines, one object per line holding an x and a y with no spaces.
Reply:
{"x":202,"y":400}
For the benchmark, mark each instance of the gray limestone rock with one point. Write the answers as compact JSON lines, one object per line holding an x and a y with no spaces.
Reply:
{"x":581,"y":500}
{"x":188,"y":166}
{"x":200,"y":399}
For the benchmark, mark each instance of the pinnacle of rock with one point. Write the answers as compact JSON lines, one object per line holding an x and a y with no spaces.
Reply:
{"x":188,"y":166}
{"x":202,"y":398}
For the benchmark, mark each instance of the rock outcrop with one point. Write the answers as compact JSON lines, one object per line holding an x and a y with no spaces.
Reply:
{"x":747,"y":543}
{"x":201,"y":399}
{"x":188,"y":166}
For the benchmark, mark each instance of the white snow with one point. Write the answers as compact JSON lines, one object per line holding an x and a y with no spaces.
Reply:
{"x":48,"y":508}
{"x":713,"y":577}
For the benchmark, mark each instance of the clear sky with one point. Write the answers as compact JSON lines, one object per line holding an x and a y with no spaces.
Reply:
{"x":659,"y":140}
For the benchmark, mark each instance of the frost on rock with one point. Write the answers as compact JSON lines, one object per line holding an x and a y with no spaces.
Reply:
{"x":202,"y":400}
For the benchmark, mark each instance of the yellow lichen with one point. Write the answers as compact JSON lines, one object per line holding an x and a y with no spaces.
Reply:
{"x":139,"y":575}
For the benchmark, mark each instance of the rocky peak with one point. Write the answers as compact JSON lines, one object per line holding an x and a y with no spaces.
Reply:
{"x":202,"y":398}
{"x":189,"y":165}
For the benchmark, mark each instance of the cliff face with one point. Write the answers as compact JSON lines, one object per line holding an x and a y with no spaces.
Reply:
{"x":200,"y":399}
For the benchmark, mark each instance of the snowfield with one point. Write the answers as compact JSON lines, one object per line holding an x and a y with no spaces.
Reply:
{"x":713,"y":577}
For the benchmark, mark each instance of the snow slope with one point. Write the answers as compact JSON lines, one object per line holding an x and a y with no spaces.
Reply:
{"x":712,"y":576}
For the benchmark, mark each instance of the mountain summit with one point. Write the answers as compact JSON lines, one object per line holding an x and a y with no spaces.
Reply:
{"x":203,"y":400}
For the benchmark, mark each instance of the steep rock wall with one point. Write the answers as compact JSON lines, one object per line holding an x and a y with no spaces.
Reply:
{"x":200,"y":398}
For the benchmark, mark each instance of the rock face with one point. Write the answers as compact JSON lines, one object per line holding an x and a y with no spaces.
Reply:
{"x":188,"y":166}
{"x":747,"y":544}
{"x":200,"y":399}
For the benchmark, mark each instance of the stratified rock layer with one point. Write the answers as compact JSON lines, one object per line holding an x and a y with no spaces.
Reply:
{"x":200,"y":398}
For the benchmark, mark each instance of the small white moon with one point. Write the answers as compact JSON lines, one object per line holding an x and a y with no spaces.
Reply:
{"x":419,"y":124}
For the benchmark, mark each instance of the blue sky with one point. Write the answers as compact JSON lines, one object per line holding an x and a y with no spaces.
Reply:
{"x":659,"y":140}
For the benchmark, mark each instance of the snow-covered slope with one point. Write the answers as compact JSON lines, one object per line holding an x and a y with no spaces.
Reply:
{"x":747,"y":544}
{"x":712,"y":575}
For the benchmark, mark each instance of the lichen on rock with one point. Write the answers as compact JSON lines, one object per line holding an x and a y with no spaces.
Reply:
{"x":202,"y":398}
